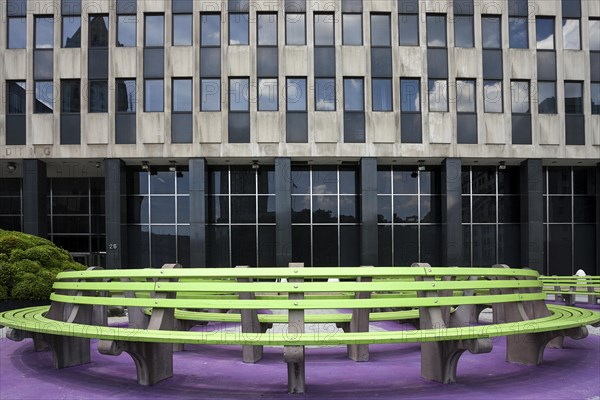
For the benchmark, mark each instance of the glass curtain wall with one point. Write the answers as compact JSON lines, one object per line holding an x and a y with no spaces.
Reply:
{"x":11,"y":214}
{"x":158,"y":225}
{"x":409,"y":215}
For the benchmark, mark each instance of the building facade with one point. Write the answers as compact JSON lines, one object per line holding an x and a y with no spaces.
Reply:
{"x":334,"y":132}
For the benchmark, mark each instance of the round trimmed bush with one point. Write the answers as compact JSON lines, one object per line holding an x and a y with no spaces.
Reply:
{"x":29,"y":265}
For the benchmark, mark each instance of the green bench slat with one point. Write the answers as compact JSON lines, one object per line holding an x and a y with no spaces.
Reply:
{"x":302,"y":287}
{"x":299,"y":304}
{"x":562,"y":317}
{"x":279,"y":272}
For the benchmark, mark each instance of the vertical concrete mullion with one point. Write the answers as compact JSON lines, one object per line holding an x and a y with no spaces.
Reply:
{"x":532,"y":215}
{"x":369,"y":244}
{"x":452,"y":236}
{"x":115,"y":214}
{"x":198,"y":184}
{"x":35,"y":190}
{"x":283,"y":211}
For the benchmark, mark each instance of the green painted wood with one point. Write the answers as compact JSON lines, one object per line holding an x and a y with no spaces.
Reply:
{"x":279,"y":272}
{"x":562,"y":317}
{"x":302,"y":287}
{"x":299,"y":304}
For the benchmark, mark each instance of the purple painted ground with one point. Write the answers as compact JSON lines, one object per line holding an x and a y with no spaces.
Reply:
{"x":209,"y":372}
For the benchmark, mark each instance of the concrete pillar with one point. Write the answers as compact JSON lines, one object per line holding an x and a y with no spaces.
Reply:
{"x":597,"y":273}
{"x":369,"y":243}
{"x":532,"y":215}
{"x":198,"y":184}
{"x":35,"y":191}
{"x":283,"y":211}
{"x":452,"y":236}
{"x":115,"y":213}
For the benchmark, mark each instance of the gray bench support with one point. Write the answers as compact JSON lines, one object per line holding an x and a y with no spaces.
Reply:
{"x":250,"y":324}
{"x":153,"y":361}
{"x":440,"y":359}
{"x":360,"y":323}
{"x":294,"y":355}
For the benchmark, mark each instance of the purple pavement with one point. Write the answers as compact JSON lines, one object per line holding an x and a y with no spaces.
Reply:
{"x":210,"y":372}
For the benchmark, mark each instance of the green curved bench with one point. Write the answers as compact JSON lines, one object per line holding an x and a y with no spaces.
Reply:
{"x":566,"y":288}
{"x":78,"y":314}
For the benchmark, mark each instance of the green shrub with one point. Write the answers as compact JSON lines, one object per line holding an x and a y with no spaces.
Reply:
{"x":29,"y":265}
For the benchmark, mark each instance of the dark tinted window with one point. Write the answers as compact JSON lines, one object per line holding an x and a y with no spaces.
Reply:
{"x":595,"y":87}
{"x":16,"y":103}
{"x":463,"y":31}
{"x":98,"y":30}
{"x":70,"y":95}
{"x":44,"y":97}
{"x":573,"y":98}
{"x":380,"y":30}
{"x":547,"y":97}
{"x":126,"y":95}
{"x":98,"y":96}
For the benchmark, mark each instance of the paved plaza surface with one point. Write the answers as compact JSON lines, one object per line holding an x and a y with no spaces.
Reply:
{"x":393,"y":372}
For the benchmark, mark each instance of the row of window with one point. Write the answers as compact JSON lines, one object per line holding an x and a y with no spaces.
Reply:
{"x":295,"y":32}
{"x":325,"y":93}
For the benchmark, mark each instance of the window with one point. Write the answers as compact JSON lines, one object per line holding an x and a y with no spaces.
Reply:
{"x":44,"y":32}
{"x":410,"y":95}
{"x":382,"y":94}
{"x":492,"y":96}
{"x":595,"y":87}
{"x":98,"y":96}
{"x":71,"y":32}
{"x":296,"y":94}
{"x":267,"y":29}
{"x":380,"y":30}
{"x":16,"y":91}
{"x":182,"y":29}
{"x":594,"y":34}
{"x":547,"y":97}
{"x":465,"y":96}
{"x":126,"y":96}
{"x":438,"y":95}
{"x":238,"y":29}
{"x":325,"y":215}
{"x":44,"y":97}
{"x":17,"y":32}
{"x":352,"y":29}
{"x":324,"y":35}
{"x":325,"y":94}
{"x":239,"y":94}
{"x":463,"y":31}
{"x":436,"y":30}
{"x":210,"y":95}
{"x":182,"y":95}
{"x":573,"y":98}
{"x":210,"y":30}
{"x":409,"y":215}
{"x":126,"y":30}
{"x":491,"y":32}
{"x":354,"y":97}
{"x":571,"y":34}
{"x":519,"y":97}
{"x":154,"y":26}
{"x":153,"y":95}
{"x":408,"y":29}
{"x":544,"y":33}
{"x":295,"y":29}
{"x":518,"y":32}
{"x":70,"y":94}
{"x":98,"y":30}
{"x":267,"y":94}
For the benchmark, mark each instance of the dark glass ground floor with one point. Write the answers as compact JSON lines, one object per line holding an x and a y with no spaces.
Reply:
{"x":365,"y":212}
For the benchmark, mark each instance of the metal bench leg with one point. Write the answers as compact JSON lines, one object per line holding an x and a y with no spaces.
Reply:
{"x":529,"y":348}
{"x":250,"y":324}
{"x":360,"y":323}
{"x":18,"y":335}
{"x":153,"y":361}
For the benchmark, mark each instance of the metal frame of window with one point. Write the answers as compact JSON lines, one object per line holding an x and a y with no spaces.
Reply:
{"x":497,"y":195}
{"x":419,"y":195}
{"x":20,"y":197}
{"x":257,"y":196}
{"x":338,"y":223}
{"x":176,"y":195}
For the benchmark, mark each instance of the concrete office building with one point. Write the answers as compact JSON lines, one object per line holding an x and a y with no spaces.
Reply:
{"x":333,"y":132}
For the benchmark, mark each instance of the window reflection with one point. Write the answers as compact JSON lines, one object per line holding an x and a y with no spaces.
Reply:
{"x":295,"y":29}
{"x":238,"y":29}
{"x":571,"y":35}
{"x":154,"y":31}
{"x":352,"y":29}
{"x":267,"y":29}
{"x":182,"y":29}
{"x":126,"y":30}
{"x":545,"y":33}
{"x":44,"y":32}
{"x":210,"y":30}
{"x":518,"y":33}
{"x":17,"y":32}
{"x":71,"y":32}
{"x":324,"y":35}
